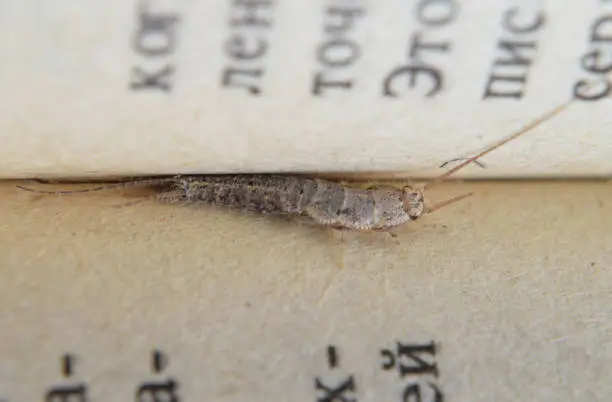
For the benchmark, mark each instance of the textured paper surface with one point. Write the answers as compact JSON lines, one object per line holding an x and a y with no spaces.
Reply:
{"x":74,"y":100}
{"x":513,"y":285}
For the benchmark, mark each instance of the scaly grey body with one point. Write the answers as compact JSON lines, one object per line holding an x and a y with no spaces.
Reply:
{"x":327,"y":203}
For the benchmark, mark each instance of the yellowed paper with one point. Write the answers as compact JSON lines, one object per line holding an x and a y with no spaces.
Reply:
{"x":513,"y":286}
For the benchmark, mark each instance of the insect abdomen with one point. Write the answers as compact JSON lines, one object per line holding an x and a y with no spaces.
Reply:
{"x":259,"y":193}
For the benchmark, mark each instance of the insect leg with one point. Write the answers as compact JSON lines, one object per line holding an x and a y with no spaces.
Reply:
{"x":390,"y":231}
{"x":385,"y":186}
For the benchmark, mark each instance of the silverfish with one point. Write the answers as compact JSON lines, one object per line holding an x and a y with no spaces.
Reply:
{"x":378,"y":208}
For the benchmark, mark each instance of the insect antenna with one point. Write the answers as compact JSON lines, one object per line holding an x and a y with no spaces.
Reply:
{"x":136,"y":183}
{"x":477,"y":162}
{"x":445,"y":203}
{"x":504,"y":141}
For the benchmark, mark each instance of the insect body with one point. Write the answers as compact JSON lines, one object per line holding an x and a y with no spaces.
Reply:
{"x":327,"y":203}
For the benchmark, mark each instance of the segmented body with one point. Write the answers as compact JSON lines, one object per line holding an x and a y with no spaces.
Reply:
{"x":326,"y":202}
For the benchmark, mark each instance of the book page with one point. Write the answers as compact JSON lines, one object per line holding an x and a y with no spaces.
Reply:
{"x":149,"y":87}
{"x":505,"y":296}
